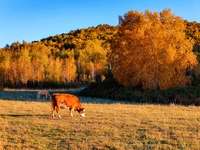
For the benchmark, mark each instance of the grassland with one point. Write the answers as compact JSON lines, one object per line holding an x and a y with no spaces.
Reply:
{"x":27,"y":125}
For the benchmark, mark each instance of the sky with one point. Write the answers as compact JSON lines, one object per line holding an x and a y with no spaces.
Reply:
{"x":33,"y":20}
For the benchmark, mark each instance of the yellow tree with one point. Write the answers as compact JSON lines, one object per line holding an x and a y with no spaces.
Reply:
{"x":57,"y":69}
{"x":13,"y":78}
{"x":150,"y":50}
{"x":68,"y":70}
{"x":93,"y":55}
{"x":39,"y":59}
{"x":52,"y":70}
{"x":5,"y":63}
{"x":68,"y":66}
{"x":24,"y":65}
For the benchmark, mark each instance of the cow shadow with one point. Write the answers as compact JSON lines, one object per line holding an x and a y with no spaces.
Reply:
{"x":25,"y":115}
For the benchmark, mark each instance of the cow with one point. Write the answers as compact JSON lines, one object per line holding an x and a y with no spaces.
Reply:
{"x":43,"y":93}
{"x":70,"y":101}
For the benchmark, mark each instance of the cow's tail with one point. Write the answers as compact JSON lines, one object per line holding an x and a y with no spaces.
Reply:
{"x":53,"y":101}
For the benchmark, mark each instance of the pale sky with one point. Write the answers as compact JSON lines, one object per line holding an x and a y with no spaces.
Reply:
{"x":32,"y":20}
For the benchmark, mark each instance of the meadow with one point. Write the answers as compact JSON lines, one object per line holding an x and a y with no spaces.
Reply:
{"x":26,"y":124}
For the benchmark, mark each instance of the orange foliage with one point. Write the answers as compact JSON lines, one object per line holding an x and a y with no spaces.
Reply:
{"x":150,"y":50}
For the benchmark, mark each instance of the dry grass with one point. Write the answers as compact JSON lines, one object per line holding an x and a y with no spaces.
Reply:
{"x":28,"y":125}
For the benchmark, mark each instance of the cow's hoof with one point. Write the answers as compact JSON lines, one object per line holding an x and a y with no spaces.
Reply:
{"x":59,"y":116}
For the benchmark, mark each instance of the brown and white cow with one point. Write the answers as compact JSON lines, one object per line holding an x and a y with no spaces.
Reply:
{"x":43,"y":93}
{"x":70,"y":101}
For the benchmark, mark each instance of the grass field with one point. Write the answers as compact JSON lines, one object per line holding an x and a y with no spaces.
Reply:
{"x":27,"y":125}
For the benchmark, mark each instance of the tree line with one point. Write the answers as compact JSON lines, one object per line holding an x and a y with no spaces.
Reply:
{"x":86,"y":55}
{"x":78,"y":57}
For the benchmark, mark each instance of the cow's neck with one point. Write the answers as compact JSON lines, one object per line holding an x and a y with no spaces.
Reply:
{"x":78,"y":107}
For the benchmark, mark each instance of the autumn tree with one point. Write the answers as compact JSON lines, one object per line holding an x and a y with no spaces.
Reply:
{"x":68,"y":70}
{"x":151,"y":50}
{"x":93,"y":58}
{"x":39,"y":58}
{"x":24,"y":65}
{"x":5,"y":62}
{"x":193,"y":31}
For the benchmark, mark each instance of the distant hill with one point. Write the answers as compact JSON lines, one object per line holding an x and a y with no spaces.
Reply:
{"x":77,"y":56}
{"x":75,"y":39}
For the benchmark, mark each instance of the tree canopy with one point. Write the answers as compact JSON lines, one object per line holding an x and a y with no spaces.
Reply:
{"x":151,"y":50}
{"x":78,"y":56}
{"x":81,"y":55}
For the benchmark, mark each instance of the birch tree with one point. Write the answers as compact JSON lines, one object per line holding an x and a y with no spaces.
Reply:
{"x":150,"y":50}
{"x":93,"y":57}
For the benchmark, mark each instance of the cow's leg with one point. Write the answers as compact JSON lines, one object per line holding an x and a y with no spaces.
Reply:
{"x":53,"y":109}
{"x":71,"y":109}
{"x":58,"y":111}
{"x":52,"y":113}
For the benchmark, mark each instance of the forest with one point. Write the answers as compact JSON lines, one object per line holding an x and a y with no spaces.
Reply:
{"x":89,"y":54}
{"x":77,"y":57}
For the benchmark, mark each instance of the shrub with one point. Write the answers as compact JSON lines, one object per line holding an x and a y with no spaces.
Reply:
{"x":110,"y":89}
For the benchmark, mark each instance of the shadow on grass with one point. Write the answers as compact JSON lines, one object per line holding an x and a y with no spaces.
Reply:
{"x":95,"y":100}
{"x":44,"y":116}
{"x":25,"y":115}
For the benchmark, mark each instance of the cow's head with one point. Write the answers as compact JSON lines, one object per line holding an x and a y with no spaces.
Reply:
{"x":82,"y":112}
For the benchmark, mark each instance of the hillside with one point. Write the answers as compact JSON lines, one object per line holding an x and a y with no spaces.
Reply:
{"x":82,"y":51}
{"x":79,"y":56}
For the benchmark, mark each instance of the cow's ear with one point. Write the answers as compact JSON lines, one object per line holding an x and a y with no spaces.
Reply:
{"x":83,"y":109}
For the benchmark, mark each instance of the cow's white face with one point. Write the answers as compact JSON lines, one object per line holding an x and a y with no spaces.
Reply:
{"x":82,"y":112}
{"x":82,"y":115}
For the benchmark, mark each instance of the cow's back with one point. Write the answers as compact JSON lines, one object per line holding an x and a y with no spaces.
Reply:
{"x":56,"y":99}
{"x":72,"y":101}
{"x":69,"y":100}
